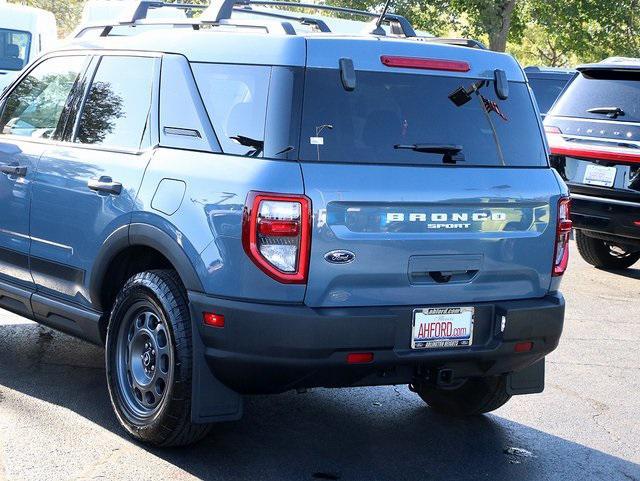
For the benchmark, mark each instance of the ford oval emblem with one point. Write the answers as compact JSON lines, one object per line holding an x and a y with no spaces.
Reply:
{"x":339,"y":257}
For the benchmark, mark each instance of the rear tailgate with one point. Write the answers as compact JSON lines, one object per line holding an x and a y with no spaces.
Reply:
{"x":416,"y":228}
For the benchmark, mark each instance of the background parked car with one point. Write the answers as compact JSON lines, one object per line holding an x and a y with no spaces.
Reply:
{"x":547,"y":84}
{"x":25,"y":32}
{"x":594,"y":134}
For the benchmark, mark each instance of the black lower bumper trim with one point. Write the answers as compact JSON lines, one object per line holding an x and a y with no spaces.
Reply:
{"x":274,"y":348}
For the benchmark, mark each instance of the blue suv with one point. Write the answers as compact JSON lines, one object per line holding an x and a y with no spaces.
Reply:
{"x":233,"y":205}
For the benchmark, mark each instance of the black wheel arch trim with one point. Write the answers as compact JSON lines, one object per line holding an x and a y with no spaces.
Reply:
{"x":139,"y":234}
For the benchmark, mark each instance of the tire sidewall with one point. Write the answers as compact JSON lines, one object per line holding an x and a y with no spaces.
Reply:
{"x":148,"y":288}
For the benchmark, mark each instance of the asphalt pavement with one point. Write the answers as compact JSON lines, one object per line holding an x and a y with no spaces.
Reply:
{"x":56,"y":422}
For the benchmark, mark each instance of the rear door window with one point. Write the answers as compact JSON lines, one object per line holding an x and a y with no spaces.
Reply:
{"x":597,"y":89}
{"x":389,"y":109}
{"x":35,"y":107}
{"x":116,"y":110}
{"x":235,"y":97}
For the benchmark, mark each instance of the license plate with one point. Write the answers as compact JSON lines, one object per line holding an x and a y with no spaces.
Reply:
{"x":442,"y":327}
{"x":600,"y":175}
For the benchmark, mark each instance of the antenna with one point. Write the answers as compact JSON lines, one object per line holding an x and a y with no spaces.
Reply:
{"x":378,"y":30}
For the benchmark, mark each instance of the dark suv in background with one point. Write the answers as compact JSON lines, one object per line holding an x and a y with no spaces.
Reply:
{"x":547,"y":84}
{"x":594,"y":136}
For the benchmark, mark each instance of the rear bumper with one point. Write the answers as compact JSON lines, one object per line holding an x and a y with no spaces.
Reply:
{"x":274,"y":348}
{"x":610,"y":217}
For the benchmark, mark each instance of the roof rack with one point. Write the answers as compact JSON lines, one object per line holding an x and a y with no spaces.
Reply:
{"x":221,"y":10}
{"x":219,"y":13}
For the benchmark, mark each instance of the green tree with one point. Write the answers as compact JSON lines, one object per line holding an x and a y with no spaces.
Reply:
{"x":67,"y":12}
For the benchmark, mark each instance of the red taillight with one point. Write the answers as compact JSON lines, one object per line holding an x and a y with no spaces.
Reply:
{"x":563,"y":234}
{"x":276,"y":235}
{"x":359,"y":357}
{"x":425,"y":63}
{"x":559,"y":146}
{"x":212,"y":319}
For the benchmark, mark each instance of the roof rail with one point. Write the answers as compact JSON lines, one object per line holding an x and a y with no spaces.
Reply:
{"x":222,"y":10}
{"x":140,"y":10}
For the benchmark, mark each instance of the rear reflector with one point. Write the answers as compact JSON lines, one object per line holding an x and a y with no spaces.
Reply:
{"x":359,"y":357}
{"x":213,"y":320}
{"x":637,"y":222}
{"x":523,"y":346}
{"x":425,"y":63}
{"x":559,"y":146}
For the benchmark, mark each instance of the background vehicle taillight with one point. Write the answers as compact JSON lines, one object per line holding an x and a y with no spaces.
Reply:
{"x":276,"y":235}
{"x":563,"y":234}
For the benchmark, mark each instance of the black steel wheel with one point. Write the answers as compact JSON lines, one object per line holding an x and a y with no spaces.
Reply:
{"x":144,"y":357}
{"x":149,"y":359}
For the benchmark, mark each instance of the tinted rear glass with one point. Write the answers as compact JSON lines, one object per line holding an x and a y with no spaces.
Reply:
{"x":388,"y":109}
{"x":546,"y":92}
{"x":598,"y":89}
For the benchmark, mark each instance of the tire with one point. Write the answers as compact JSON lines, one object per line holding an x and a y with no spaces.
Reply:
{"x":473,"y":397}
{"x":149,"y":358}
{"x":600,"y":253}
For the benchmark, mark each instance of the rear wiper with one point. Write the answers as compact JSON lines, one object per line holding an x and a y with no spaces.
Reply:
{"x":611,"y":112}
{"x":451,"y":153}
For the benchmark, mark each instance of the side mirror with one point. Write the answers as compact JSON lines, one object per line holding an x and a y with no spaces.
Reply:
{"x":501,"y":84}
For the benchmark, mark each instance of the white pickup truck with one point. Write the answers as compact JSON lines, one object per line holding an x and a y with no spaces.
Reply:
{"x":25,"y":32}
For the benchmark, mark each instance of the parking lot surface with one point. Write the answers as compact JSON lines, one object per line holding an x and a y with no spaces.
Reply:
{"x":56,"y":422}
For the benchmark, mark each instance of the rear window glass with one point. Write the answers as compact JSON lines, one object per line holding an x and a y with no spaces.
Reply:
{"x":546,"y":91}
{"x":389,"y":109}
{"x":602,"y":89}
{"x":235,"y":97}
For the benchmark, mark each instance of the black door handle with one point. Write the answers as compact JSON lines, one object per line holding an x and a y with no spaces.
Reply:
{"x":19,"y":170}
{"x":105,"y":184}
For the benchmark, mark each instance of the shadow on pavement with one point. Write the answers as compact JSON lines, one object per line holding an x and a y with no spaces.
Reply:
{"x":371,"y":434}
{"x":630,"y":273}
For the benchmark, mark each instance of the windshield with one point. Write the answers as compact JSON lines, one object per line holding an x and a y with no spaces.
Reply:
{"x":410,"y":119}
{"x":14,"y":49}
{"x":598,"y":93}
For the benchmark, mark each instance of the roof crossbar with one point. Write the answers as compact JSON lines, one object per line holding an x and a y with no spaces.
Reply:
{"x":140,"y":10}
{"x":319,"y":24}
{"x":222,"y":10}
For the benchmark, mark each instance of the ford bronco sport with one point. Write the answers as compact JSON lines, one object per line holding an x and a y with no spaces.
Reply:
{"x":594,"y":135}
{"x":244,"y":207}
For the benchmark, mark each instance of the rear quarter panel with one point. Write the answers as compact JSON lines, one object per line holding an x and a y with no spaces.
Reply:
{"x":207,"y":224}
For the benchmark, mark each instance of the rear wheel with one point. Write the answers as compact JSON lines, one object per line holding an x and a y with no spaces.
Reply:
{"x":470,"y":397}
{"x":608,"y":255}
{"x":148,"y":357}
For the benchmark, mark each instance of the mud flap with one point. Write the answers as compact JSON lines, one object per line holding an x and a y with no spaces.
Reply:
{"x":211,"y":401}
{"x":528,"y":381}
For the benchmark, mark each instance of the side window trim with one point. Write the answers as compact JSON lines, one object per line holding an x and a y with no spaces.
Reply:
{"x":69,"y":108}
{"x":71,"y":127}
